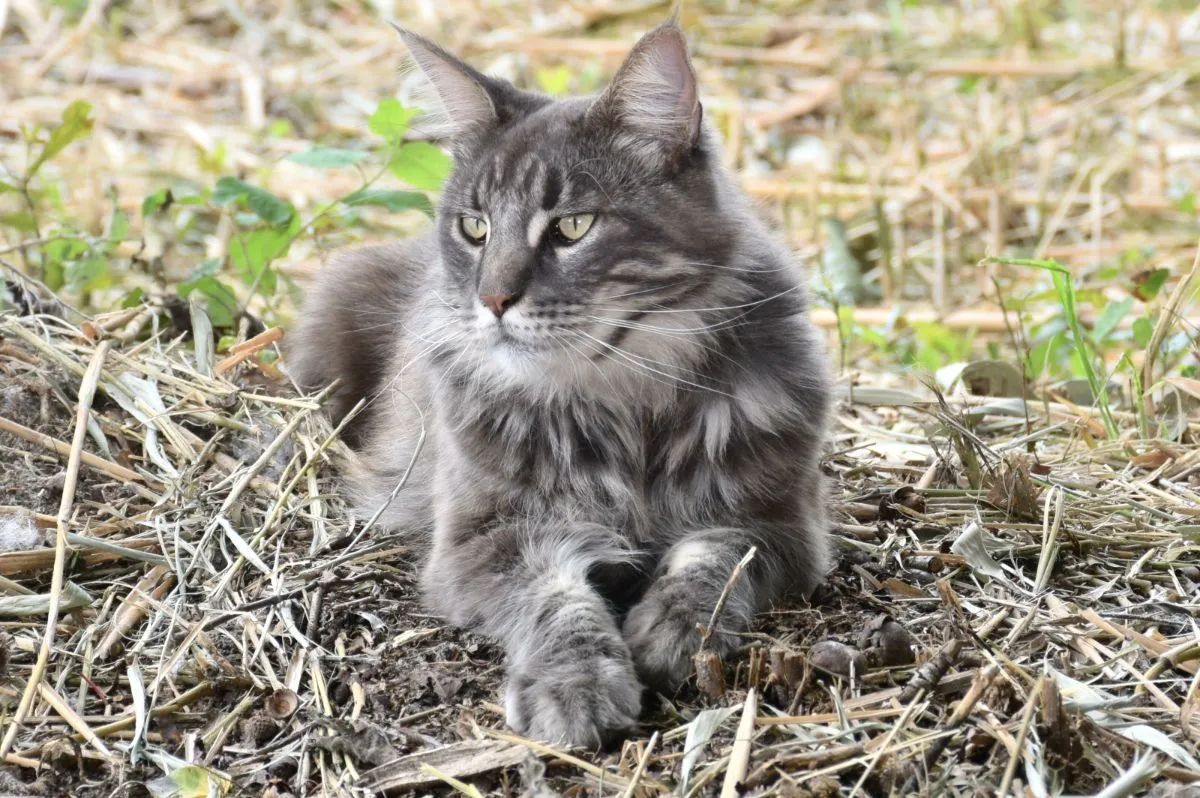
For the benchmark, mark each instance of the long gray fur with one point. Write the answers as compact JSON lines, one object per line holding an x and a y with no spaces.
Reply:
{"x":597,"y":459}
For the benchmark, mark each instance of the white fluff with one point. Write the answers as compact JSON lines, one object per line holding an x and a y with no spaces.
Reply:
{"x":18,"y":533}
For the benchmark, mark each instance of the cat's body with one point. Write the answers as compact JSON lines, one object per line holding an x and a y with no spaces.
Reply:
{"x":594,"y":430}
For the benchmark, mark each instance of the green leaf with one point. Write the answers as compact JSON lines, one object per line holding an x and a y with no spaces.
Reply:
{"x":1148,"y":284}
{"x":253,"y":252}
{"x":1066,"y":293}
{"x":1143,"y":330}
{"x":21,"y":220}
{"x":54,"y":275}
{"x":5,"y":187}
{"x":133,"y":298}
{"x":327,"y":158}
{"x":1110,"y":318}
{"x":554,"y":80}
{"x":1041,"y":356}
{"x":222,"y":303}
{"x":118,"y":227}
{"x":1064,"y":287}
{"x":421,"y":164}
{"x":391,"y":119}
{"x":195,"y":781}
{"x":266,"y":206}
{"x":394,"y":201}
{"x":158,"y":201}
{"x":75,"y":125}
{"x":206,"y":268}
{"x":59,"y":255}
{"x":65,"y":249}
{"x":88,"y":275}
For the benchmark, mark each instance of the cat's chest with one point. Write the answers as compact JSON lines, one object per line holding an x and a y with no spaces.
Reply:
{"x":615,"y":462}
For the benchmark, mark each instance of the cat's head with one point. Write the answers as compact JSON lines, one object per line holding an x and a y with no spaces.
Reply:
{"x":583,"y":238}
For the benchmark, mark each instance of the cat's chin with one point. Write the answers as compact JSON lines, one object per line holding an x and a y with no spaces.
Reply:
{"x":543,"y":369}
{"x":515,"y":358}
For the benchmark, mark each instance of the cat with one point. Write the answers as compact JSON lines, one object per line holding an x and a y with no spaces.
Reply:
{"x":596,"y":382}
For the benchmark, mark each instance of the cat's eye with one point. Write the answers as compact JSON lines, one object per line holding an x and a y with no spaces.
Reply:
{"x":474,"y":228}
{"x":573,"y":227}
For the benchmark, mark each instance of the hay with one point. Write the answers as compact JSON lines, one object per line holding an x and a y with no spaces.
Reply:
{"x":1061,"y":599}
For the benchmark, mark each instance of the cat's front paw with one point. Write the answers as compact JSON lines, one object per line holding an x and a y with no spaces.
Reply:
{"x":574,"y":698}
{"x":663,"y":631}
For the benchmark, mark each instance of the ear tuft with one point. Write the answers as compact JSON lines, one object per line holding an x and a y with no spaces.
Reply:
{"x":466,"y":107}
{"x":654,"y":93}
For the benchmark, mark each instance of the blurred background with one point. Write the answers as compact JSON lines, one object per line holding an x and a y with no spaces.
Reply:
{"x":152,"y":149}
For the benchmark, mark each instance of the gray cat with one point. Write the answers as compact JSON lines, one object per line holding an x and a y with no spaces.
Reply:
{"x":597,"y":382}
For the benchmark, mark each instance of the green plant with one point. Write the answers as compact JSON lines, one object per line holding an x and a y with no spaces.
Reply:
{"x":67,"y":255}
{"x":270,"y":224}
{"x":1064,"y":287}
{"x":96,"y":272}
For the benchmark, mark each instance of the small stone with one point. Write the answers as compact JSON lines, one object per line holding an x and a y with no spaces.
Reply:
{"x":886,"y":642}
{"x":258,"y":729}
{"x":837,"y":658}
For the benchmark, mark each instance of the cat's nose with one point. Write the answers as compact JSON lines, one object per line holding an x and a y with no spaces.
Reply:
{"x":498,"y":303}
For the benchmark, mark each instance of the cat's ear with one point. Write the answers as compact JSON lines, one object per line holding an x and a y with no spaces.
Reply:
{"x":654,"y":96}
{"x":466,"y":103}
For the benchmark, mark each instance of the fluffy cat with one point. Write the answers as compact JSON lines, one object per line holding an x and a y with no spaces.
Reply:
{"x":596,"y":381}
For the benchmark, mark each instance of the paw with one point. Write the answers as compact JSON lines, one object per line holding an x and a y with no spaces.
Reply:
{"x":663,"y":631}
{"x":573,"y":697}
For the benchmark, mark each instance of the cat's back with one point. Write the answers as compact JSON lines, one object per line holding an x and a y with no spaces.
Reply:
{"x":356,"y":316}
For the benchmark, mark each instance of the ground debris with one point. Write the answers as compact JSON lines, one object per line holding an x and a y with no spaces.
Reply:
{"x":458,"y":760}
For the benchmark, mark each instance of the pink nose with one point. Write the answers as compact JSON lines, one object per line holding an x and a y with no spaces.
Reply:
{"x":498,"y":303}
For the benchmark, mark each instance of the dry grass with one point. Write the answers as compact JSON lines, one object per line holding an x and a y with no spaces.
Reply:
{"x":215,"y":605}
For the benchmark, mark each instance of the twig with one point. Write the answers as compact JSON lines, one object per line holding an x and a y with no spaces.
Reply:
{"x":962,"y":710}
{"x":928,"y":675}
{"x":51,"y":697}
{"x":739,"y":756}
{"x":1167,"y":320}
{"x":1018,"y":753}
{"x":87,"y":392}
{"x":897,"y":727}
{"x":63,"y":449}
{"x":606,"y":776}
{"x":640,"y":770}
{"x":719,"y":607}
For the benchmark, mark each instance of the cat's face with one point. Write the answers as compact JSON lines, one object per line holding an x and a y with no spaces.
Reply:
{"x":579,"y":237}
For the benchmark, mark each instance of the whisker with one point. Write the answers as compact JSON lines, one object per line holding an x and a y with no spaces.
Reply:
{"x":640,"y":362}
{"x":692,"y":336}
{"x":682,"y":332}
{"x":719,"y":308}
{"x":639,"y":292}
{"x":741,"y":269}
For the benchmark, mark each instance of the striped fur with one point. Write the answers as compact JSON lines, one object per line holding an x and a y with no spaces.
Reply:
{"x":588,"y":468}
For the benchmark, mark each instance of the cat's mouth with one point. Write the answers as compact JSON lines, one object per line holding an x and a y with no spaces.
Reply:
{"x":511,"y":338}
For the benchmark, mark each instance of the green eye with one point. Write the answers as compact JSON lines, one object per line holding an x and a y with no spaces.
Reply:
{"x":574,"y":227}
{"x":474,"y":228}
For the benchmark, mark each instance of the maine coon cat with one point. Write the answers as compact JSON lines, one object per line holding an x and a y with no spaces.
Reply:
{"x":597,"y":380}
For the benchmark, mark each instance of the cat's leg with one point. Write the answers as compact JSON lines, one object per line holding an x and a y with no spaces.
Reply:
{"x":663,"y":629}
{"x":570,"y":676}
